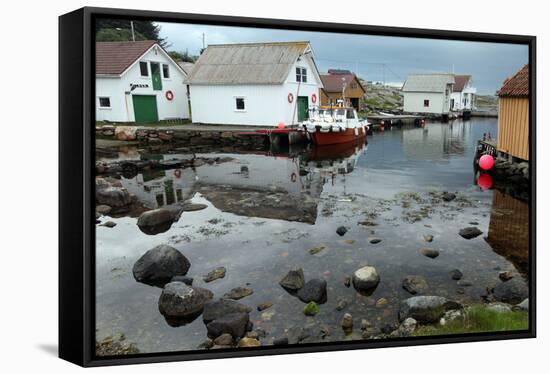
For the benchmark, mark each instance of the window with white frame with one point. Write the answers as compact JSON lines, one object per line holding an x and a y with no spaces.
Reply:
{"x":301,"y":75}
{"x":240,"y":104}
{"x":104,"y":102}
{"x":143,"y":69}
{"x":165,"y":71}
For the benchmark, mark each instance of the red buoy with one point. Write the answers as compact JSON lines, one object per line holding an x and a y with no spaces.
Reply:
{"x":486,"y":162}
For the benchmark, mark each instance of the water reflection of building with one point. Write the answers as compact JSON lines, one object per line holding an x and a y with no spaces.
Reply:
{"x":509,"y":230}
{"x":435,"y":140}
{"x":253,"y":185}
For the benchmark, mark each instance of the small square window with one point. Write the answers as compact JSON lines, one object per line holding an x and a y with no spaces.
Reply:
{"x":301,"y":75}
{"x":239,"y":103}
{"x":104,"y":102}
{"x":143,"y":69}
{"x":165,"y":71}
{"x":426,"y":103}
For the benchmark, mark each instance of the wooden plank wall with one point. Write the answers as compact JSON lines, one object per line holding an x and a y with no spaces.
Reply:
{"x":513,"y":126}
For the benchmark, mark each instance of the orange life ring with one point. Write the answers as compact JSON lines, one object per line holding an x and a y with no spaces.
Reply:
{"x":293,"y":177}
{"x":313,"y":98}
{"x":290,"y":97}
{"x":177,"y":173}
{"x":169,"y":95}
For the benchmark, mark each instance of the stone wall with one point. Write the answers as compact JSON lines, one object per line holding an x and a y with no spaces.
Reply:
{"x":153,"y":136}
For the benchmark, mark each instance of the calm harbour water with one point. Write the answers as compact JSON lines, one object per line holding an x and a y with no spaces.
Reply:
{"x":266,"y":211}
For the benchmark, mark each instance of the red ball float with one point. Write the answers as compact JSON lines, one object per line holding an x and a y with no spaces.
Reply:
{"x":486,"y":162}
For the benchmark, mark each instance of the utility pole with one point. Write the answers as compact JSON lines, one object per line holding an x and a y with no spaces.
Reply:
{"x":132,"y":28}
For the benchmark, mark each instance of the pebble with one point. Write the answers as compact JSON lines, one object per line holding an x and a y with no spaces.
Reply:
{"x":374,"y":240}
{"x":263,"y":306}
{"x":429,"y":252}
{"x":347,"y":322}
{"x":428,"y":238}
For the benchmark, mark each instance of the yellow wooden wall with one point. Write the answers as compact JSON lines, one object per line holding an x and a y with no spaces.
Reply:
{"x":513,"y":126}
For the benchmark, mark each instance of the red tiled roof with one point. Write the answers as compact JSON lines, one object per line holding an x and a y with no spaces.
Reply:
{"x":115,"y":57}
{"x":460,"y":82}
{"x":518,"y":85}
{"x":335,"y":82}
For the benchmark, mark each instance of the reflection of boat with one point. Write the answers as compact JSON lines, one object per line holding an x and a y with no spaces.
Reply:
{"x":335,"y":125}
{"x":336,"y":151}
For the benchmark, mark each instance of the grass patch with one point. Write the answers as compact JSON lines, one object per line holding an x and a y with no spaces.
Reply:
{"x":479,"y":319}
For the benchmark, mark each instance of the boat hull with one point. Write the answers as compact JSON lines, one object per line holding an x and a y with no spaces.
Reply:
{"x":327,"y":138}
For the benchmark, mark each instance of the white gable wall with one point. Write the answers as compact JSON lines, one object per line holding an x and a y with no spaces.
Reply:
{"x":413,"y":102}
{"x":265,"y":104}
{"x":122,"y":109}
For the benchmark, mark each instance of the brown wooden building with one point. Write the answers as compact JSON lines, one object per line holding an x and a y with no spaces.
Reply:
{"x":513,"y":115}
{"x":341,"y":84}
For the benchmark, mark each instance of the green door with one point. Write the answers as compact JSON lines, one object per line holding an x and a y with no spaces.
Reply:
{"x":303,"y":112}
{"x":145,"y":108}
{"x":155,"y":74}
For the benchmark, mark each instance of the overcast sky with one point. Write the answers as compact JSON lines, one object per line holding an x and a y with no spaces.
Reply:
{"x":376,"y":58}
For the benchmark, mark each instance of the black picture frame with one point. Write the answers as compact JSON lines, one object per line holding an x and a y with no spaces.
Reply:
{"x":76,"y":187}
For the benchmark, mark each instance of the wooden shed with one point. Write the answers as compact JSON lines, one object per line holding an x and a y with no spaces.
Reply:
{"x":341,"y":84}
{"x":513,"y":115}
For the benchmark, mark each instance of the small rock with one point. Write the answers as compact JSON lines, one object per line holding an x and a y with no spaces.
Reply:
{"x":429,"y":252}
{"x":428,"y":238}
{"x":374,"y":240}
{"x":415,"y":284}
{"x":249,"y":342}
{"x":109,"y":224}
{"x":407,"y":327}
{"x":263,"y":306}
{"x":349,"y":241}
{"x":512,"y":292}
{"x":386,"y":329}
{"x":215,"y":274}
{"x":316,"y":250}
{"x":113,"y":196}
{"x":365,"y":278}
{"x":499,"y":307}
{"x":341,"y":305}
{"x":252,"y":335}
{"x":207,"y":344}
{"x":311,"y":309}
{"x":426,"y":309}
{"x":456,"y":274}
{"x":447,"y":196}
{"x":341,"y":230}
{"x":179,"y":300}
{"x":470,"y":232}
{"x":314,"y":290}
{"x":505,"y":276}
{"x":158,"y":265}
{"x":365,"y":334}
{"x":347,"y":281}
{"x":238,"y":293}
{"x":347,"y":322}
{"x":365,"y":324}
{"x":382,"y":302}
{"x":294,"y":280}
{"x":224,"y":339}
{"x":524,"y":305}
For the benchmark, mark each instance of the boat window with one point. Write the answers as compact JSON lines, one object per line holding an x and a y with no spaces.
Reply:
{"x":350,"y":114}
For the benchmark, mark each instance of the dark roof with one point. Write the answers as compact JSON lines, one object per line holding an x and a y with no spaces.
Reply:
{"x":518,"y":85}
{"x":115,"y":57}
{"x":460,"y":82}
{"x":338,"y":71}
{"x":335,"y":82}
